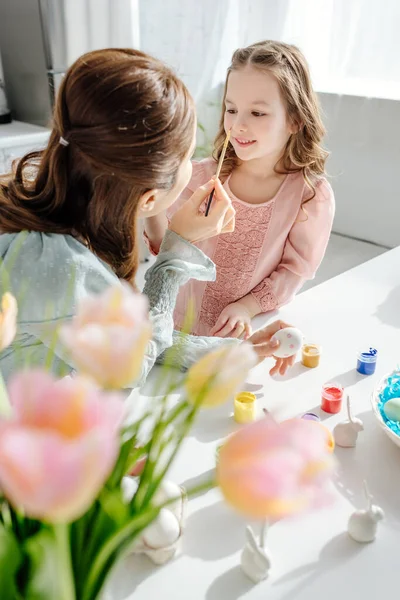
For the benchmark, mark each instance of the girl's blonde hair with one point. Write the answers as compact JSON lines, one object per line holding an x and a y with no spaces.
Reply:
{"x":303,"y":151}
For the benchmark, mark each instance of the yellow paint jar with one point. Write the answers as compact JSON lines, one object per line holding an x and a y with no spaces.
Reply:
{"x":311,"y":355}
{"x":244,"y":410}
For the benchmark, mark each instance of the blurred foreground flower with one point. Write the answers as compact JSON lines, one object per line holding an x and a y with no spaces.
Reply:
{"x":59,"y":446}
{"x":219,"y":374}
{"x":8,"y":320}
{"x":108,"y":336}
{"x":270,"y":471}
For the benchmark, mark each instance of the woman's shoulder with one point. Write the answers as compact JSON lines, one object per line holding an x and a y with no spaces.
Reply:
{"x":49,"y":273}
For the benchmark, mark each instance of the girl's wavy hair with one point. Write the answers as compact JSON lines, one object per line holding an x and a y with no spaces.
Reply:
{"x":303,"y":151}
{"x":125,"y":122}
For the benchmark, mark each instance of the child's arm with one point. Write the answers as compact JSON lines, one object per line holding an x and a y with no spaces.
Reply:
{"x":154,"y":231}
{"x":303,"y":253}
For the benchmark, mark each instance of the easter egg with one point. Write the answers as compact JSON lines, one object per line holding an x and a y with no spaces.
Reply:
{"x":391,"y":408}
{"x":290,"y":339}
{"x":163,"y":531}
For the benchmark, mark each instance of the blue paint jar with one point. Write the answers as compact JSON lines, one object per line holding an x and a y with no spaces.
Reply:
{"x":366,"y":362}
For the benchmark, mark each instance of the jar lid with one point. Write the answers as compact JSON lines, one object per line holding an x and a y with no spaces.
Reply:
{"x":369,"y":356}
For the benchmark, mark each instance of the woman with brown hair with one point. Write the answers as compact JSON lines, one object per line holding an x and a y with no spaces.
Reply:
{"x":120,"y":147}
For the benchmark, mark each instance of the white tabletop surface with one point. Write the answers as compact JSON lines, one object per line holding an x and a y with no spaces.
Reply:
{"x":313,"y":557}
{"x":18,"y":133}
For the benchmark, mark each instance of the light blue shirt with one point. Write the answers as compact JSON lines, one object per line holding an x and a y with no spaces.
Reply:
{"x":50,"y":273}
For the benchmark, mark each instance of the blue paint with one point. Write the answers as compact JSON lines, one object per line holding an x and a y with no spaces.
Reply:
{"x":366,"y":362}
{"x":392,"y":390}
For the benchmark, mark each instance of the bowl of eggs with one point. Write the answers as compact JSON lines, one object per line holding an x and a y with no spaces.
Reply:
{"x":386,"y":405}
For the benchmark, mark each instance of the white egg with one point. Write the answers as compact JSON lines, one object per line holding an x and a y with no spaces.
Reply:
{"x":290,"y":339}
{"x":169,"y":491}
{"x":129,"y":488}
{"x":163,"y":531}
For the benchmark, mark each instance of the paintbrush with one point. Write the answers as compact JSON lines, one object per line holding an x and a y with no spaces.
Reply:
{"x":221,"y":160}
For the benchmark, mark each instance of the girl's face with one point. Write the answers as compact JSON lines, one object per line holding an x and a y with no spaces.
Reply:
{"x":256,"y":113}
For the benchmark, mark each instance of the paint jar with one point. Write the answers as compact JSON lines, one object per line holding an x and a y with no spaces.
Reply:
{"x":366,"y":362}
{"x":311,"y":354}
{"x":245,"y":407}
{"x":332,"y":396}
{"x":310,"y":417}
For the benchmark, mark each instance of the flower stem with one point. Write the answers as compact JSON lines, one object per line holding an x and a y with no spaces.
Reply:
{"x":67,"y":587}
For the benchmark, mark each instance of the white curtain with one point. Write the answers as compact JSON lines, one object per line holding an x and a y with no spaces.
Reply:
{"x":352,"y":46}
{"x":95,"y":24}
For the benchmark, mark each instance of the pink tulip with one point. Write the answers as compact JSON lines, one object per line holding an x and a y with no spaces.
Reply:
{"x":270,"y":471}
{"x":109,"y":335}
{"x":8,"y":320}
{"x":59,"y":446}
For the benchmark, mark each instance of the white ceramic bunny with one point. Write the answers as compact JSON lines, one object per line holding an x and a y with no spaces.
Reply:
{"x":363,"y":524}
{"x":160,"y":540}
{"x":346,"y":432}
{"x":255,"y":560}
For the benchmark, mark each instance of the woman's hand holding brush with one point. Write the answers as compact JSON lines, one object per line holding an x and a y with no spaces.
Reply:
{"x":189,"y":221}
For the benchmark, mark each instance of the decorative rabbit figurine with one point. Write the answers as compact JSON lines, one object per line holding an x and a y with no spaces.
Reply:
{"x":346,"y":432}
{"x":255,"y":560}
{"x":363,"y":524}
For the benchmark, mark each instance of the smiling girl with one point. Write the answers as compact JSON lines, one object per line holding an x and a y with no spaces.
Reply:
{"x":274,"y":173}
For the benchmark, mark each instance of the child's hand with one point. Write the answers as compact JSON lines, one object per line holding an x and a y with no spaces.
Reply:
{"x":234,"y":321}
{"x":261,"y":341}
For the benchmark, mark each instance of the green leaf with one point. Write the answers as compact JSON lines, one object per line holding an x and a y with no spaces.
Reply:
{"x":43,"y":581}
{"x":10,"y":560}
{"x":114,"y":507}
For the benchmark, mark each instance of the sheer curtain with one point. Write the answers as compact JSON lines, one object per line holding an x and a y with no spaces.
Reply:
{"x":95,"y":24}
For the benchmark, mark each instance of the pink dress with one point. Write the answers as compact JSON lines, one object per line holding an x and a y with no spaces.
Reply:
{"x":274,"y":249}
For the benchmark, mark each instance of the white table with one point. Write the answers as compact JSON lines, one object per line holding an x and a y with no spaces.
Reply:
{"x":314,"y":559}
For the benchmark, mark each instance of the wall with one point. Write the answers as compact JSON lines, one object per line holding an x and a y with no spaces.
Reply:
{"x":364,"y":140}
{"x":22,"y":52}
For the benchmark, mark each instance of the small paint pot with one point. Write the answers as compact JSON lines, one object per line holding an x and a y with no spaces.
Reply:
{"x":244,"y":410}
{"x":331,"y":397}
{"x":366,"y":362}
{"x":311,"y":355}
{"x":309,"y":416}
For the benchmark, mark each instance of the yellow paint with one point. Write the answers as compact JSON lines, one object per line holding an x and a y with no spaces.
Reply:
{"x":311,"y":355}
{"x":245,"y":407}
